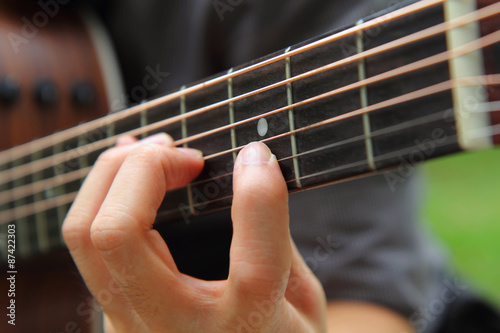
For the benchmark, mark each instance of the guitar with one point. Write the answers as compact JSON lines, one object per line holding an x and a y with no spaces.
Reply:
{"x":51,"y":78}
{"x":369,"y":98}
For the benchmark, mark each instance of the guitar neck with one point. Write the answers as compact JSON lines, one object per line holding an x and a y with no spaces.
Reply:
{"x":334,"y":126}
{"x":380,"y":96}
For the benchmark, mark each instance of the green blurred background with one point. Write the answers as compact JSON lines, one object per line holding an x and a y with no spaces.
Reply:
{"x":462,"y":208}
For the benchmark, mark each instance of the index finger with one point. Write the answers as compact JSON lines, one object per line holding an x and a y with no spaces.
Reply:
{"x":122,"y":231}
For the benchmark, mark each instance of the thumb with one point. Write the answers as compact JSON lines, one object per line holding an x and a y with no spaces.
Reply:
{"x":261,"y":252}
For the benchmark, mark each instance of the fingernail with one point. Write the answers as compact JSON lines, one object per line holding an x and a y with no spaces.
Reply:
{"x":191,"y":152}
{"x":256,"y":153}
{"x":159,"y":139}
{"x":125,"y":140}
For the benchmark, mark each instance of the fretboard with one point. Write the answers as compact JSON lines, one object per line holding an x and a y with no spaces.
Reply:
{"x":382,"y":95}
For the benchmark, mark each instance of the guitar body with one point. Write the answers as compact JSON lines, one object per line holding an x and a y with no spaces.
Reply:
{"x":56,"y":59}
{"x":51,"y":79}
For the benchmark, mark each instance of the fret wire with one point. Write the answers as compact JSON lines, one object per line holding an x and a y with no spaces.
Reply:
{"x":443,"y":27}
{"x":83,"y":160}
{"x":231,"y":113}
{"x":144,"y":121}
{"x":291,"y":119}
{"x":110,"y":131}
{"x":363,"y":92}
{"x":40,"y":217}
{"x":59,"y":189}
{"x":183,"y":110}
{"x":23,"y":247}
{"x":68,"y":198}
{"x":23,"y":150}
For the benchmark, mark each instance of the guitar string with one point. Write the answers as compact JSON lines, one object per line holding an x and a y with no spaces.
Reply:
{"x":43,"y":143}
{"x":73,"y":133}
{"x":424,"y":92}
{"x":483,"y":132}
{"x":51,"y":183}
{"x":34,"y":186}
{"x":14,"y":193}
{"x":109,"y":141}
{"x":24,"y":191}
{"x":68,"y":198}
{"x":46,"y":204}
{"x":33,"y":209}
{"x":48,"y":162}
{"x":381,"y":158}
{"x":412,"y":67}
{"x":486,"y":131}
{"x":428,"y":90}
{"x":387,"y":130}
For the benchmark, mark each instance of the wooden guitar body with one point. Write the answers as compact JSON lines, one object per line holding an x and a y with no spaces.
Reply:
{"x":50,"y":80}
{"x":52,"y":70}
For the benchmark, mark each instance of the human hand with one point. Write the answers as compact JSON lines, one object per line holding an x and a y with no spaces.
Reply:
{"x":109,"y":233}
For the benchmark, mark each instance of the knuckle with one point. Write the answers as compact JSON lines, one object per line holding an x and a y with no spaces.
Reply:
{"x":109,"y":156}
{"x":72,"y":235}
{"x":145,"y":154}
{"x":163,"y":164}
{"x":173,"y":174}
{"x":75,"y":231}
{"x":114,"y":225}
{"x":106,"y":234}
{"x":259,"y":281}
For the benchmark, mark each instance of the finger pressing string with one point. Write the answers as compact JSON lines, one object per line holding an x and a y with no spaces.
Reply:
{"x":261,"y":252}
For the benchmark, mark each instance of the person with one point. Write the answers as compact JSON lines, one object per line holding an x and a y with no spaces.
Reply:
{"x":359,"y":245}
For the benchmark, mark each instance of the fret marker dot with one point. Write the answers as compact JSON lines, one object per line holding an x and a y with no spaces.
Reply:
{"x":262,"y":127}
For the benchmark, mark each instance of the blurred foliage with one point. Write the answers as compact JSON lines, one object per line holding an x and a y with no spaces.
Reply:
{"x":462,"y":207}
